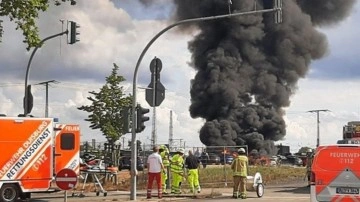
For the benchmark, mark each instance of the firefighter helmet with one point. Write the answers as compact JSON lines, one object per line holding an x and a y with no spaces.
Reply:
{"x":241,"y":150}
{"x":181,"y":150}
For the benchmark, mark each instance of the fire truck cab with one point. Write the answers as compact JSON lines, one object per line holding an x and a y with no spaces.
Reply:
{"x":33,"y":151}
{"x":335,"y":173}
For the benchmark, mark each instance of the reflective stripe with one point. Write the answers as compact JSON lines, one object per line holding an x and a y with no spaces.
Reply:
{"x":177,"y":163}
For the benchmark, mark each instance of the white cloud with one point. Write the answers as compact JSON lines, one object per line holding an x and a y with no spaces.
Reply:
{"x":340,"y":98}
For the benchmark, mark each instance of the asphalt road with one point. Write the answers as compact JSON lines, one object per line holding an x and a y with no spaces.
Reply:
{"x":279,"y":193}
{"x":283,"y":193}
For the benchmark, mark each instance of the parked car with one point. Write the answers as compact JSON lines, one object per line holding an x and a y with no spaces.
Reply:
{"x":273,"y":161}
{"x":125,"y":163}
{"x":291,"y":160}
{"x":226,"y":159}
{"x":214,"y":159}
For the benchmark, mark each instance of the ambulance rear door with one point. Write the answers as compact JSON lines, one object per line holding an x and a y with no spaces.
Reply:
{"x":26,"y":151}
{"x":336,"y":173}
{"x":67,"y":147}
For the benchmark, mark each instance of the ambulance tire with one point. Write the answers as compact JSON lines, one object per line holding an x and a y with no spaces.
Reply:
{"x":260,"y":190}
{"x":9,"y":193}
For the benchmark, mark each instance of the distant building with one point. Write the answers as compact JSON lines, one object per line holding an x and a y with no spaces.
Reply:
{"x":283,"y":150}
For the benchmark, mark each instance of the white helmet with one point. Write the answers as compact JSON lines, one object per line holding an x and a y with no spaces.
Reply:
{"x":181,"y":150}
{"x":241,"y":150}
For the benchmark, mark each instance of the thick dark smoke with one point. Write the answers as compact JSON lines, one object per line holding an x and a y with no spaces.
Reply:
{"x":248,"y":67}
{"x":327,"y":12}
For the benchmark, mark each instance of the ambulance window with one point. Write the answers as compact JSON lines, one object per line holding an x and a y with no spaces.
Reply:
{"x":67,"y":141}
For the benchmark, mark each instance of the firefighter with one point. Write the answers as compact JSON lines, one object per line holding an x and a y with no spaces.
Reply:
{"x":177,"y":172}
{"x":164,"y":153}
{"x":239,"y":167}
{"x":309,"y":156}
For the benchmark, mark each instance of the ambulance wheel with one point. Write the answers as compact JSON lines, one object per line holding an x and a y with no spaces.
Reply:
{"x":105,"y":194}
{"x":9,"y":193}
{"x":97,"y":193}
{"x":260,"y":190}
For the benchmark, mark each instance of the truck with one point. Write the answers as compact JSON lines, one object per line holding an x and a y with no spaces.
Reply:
{"x":33,"y":151}
{"x":351,"y":133}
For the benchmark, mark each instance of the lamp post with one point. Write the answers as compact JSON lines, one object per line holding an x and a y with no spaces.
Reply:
{"x":134,"y":102}
{"x":28,"y":68}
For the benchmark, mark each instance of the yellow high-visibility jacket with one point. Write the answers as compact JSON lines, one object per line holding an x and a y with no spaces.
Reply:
{"x":239,"y":166}
{"x":177,"y":164}
{"x":165,"y":158}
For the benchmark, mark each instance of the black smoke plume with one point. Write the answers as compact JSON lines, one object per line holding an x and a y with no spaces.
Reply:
{"x":248,"y":67}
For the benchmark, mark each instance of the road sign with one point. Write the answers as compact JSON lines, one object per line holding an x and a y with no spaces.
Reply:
{"x":66,"y":179}
{"x":155,"y":65}
{"x":159,"y":94}
{"x":155,"y":93}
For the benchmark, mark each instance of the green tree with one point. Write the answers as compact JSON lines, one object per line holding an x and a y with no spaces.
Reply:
{"x":107,"y":105}
{"x":24,"y":13}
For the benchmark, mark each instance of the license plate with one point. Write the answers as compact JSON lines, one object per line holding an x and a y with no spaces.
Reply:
{"x":347,"y":190}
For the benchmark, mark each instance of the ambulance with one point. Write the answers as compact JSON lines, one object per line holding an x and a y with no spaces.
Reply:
{"x":335,"y":173}
{"x":32,"y":151}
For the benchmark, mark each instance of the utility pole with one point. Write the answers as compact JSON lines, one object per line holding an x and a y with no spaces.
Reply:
{"x":318,"y":123}
{"x":123,"y":142}
{"x":46,"y":83}
{"x":171,"y":134}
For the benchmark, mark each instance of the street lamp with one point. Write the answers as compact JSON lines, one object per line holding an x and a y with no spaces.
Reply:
{"x":276,"y":9}
{"x":26,"y":107}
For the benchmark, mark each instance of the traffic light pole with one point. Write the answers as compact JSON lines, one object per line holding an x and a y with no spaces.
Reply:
{"x":28,"y":67}
{"x":133,"y":136}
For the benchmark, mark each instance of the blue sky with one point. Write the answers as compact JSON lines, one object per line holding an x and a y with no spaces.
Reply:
{"x":117,"y":32}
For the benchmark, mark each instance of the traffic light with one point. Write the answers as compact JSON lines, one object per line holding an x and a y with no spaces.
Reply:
{"x":73,"y":32}
{"x":141,"y":118}
{"x":278,"y":12}
{"x":126,"y":119}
